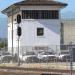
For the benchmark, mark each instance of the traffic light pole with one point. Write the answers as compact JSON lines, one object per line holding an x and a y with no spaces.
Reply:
{"x":19,"y":34}
{"x":18,"y":51}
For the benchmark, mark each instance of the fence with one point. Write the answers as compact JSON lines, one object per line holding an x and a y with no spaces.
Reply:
{"x":49,"y":57}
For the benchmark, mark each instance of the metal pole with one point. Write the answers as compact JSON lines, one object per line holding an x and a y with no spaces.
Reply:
{"x":12,"y":33}
{"x":19,"y":34}
{"x":71,"y":58}
{"x":71,"y":64}
{"x":18,"y":51}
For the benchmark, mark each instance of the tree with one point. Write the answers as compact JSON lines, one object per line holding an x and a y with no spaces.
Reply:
{"x":3,"y":43}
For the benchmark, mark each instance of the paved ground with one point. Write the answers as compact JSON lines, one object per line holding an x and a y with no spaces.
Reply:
{"x":14,"y":72}
{"x":58,"y":65}
{"x":36,"y":69}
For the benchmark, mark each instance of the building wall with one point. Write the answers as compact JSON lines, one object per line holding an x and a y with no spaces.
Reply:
{"x":51,"y":33}
{"x":69,"y":31}
{"x":41,"y":7}
{"x":15,"y":37}
{"x":29,"y":32}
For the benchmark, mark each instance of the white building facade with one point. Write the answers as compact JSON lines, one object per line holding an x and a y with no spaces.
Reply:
{"x":40,"y":24}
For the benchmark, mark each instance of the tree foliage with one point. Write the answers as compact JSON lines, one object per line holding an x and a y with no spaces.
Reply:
{"x":3,"y":43}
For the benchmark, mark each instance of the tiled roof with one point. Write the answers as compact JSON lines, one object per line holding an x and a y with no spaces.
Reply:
{"x":35,"y":2}
{"x":41,"y":2}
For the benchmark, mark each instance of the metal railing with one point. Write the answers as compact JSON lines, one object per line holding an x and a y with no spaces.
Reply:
{"x":46,"y":57}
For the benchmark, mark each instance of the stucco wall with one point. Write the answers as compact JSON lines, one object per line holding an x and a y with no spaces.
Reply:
{"x":51,"y":36}
{"x":29,"y":32}
{"x":69,"y":31}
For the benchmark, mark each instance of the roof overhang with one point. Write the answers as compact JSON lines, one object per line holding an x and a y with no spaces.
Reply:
{"x":34,"y":3}
{"x":9,"y":9}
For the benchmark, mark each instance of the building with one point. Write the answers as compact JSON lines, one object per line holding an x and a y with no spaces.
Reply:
{"x":40,"y":24}
{"x":67,"y":33}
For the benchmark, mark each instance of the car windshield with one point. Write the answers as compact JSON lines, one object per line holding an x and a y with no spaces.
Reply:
{"x":30,"y":53}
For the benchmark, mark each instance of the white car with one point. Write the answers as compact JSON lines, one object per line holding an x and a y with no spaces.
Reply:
{"x":46,"y":56}
{"x":64,"y":57}
{"x":30,"y":57}
{"x":6,"y":57}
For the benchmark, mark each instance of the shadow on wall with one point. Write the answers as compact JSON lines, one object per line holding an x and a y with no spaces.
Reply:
{"x":53,"y":25}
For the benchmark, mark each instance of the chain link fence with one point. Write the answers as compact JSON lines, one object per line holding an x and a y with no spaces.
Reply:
{"x":50,"y":57}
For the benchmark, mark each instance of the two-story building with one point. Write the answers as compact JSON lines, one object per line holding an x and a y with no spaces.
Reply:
{"x":40,"y":24}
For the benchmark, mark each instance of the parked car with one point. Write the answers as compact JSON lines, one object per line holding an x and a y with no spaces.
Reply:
{"x":46,"y":56}
{"x":30,"y":57}
{"x":64,"y":57}
{"x":6,"y":57}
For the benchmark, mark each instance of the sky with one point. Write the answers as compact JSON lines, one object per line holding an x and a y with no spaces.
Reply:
{"x":70,"y":7}
{"x":71,"y":4}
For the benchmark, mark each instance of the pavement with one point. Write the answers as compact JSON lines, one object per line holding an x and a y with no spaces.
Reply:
{"x":36,"y":69}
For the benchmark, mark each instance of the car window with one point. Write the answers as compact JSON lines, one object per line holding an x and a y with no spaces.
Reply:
{"x":30,"y":53}
{"x":48,"y":53}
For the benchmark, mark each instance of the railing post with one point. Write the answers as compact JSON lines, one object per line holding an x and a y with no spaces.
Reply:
{"x":71,"y":58}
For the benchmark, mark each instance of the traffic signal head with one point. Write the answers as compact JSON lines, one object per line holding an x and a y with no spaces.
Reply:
{"x":18,"y":18}
{"x":19,"y":31}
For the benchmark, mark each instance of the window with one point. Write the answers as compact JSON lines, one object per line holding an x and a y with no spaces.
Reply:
{"x":40,"y":31}
{"x":40,"y":14}
{"x":40,"y":48}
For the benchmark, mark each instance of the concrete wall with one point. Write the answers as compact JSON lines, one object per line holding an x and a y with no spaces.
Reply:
{"x":69,"y":31}
{"x":29,"y":32}
{"x":51,"y":35}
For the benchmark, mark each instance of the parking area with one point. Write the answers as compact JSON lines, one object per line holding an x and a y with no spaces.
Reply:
{"x":42,"y":59}
{"x":34,"y":57}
